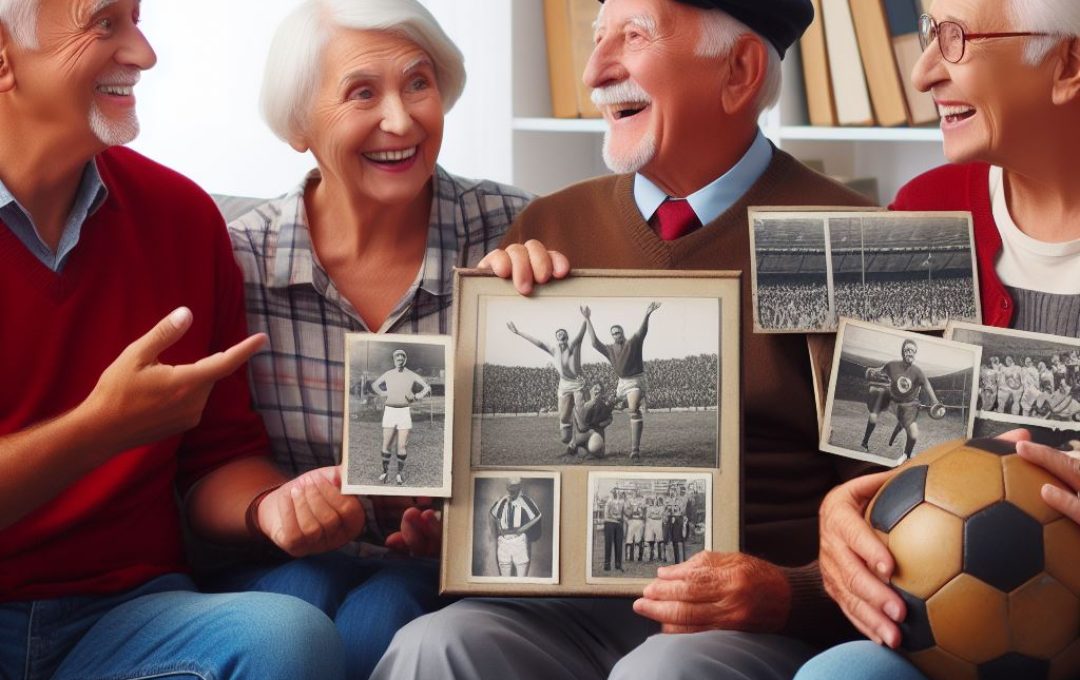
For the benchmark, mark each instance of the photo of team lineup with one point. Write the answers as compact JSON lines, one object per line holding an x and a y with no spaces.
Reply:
{"x":906,"y":270}
{"x":597,"y":381}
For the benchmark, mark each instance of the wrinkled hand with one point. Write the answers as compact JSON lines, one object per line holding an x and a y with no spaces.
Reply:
{"x":310,"y":515}
{"x":711,"y":591}
{"x":527,"y":264}
{"x":1063,"y":465}
{"x":848,"y":545}
{"x":420,"y":535}
{"x":140,"y":400}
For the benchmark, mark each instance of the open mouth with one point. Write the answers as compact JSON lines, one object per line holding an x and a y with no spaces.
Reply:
{"x":622,"y":111}
{"x":116,"y":90}
{"x":391,"y":158}
{"x":956,"y":112}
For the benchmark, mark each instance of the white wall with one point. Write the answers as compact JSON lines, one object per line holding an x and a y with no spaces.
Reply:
{"x":199,"y":105}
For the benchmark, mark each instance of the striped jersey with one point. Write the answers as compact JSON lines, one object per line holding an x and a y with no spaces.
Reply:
{"x":514,"y":513}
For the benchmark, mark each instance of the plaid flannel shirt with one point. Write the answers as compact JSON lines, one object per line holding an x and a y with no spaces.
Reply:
{"x":298,"y":380}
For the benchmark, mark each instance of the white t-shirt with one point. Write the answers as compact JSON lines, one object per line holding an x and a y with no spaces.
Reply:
{"x":1026,"y":262}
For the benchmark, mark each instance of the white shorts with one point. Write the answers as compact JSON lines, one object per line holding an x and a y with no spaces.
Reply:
{"x":635,"y":530}
{"x":512,"y":549}
{"x":654,"y":530}
{"x":397,"y":417}
{"x":570,"y":385}
{"x":627,"y":385}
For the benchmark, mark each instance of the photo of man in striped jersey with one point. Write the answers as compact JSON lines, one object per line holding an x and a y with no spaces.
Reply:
{"x":517,"y":521}
{"x":398,"y":387}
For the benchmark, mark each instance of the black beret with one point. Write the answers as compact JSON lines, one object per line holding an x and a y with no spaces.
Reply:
{"x":781,"y":22}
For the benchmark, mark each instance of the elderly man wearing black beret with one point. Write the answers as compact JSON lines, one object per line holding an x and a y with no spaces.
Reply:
{"x":681,"y":84}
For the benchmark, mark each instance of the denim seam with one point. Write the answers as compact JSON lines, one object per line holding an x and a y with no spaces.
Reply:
{"x":29,"y":640}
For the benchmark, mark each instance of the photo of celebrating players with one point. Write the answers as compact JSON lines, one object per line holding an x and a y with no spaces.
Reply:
{"x":616,"y":381}
{"x":515,"y":529}
{"x":1028,"y":379}
{"x":905,"y":270}
{"x":397,"y":429}
{"x":641,"y":521}
{"x":883,"y":382}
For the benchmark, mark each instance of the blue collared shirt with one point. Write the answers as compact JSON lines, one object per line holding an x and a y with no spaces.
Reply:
{"x":710,"y":201}
{"x":91,"y":194}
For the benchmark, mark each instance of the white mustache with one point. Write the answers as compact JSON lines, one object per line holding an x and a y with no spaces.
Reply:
{"x":622,"y":92}
{"x":125,"y":76}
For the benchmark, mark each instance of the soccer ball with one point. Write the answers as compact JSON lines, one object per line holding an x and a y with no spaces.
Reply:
{"x":989,"y":572}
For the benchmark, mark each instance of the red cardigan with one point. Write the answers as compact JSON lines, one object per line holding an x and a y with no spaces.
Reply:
{"x":966,"y":187}
{"x":156,"y":243}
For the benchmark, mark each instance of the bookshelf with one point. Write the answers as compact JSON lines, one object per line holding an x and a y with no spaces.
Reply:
{"x":542,"y":154}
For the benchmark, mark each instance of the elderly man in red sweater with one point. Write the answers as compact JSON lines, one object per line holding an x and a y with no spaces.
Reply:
{"x":681,"y":84}
{"x":122,"y":355}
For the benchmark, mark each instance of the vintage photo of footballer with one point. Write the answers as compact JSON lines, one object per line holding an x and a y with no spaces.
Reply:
{"x":639,"y":521}
{"x":597,"y":381}
{"x":1029,"y":379}
{"x":515,"y":527}
{"x":884,"y":380}
{"x":398,"y":415}
{"x":905,"y":270}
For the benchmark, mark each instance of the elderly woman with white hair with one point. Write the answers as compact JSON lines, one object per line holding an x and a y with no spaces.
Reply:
{"x":1006,"y":78}
{"x":365,"y":243}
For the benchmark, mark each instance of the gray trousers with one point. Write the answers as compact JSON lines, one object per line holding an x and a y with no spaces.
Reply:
{"x":576,"y":639}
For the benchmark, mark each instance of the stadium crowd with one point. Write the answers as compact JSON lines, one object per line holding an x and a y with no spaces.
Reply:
{"x":906,"y":303}
{"x":791,"y":306}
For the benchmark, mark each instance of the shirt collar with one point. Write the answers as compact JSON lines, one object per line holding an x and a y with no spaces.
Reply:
{"x":713,"y":199}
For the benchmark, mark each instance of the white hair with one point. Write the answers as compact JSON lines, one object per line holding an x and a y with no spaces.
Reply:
{"x":19,"y":18}
{"x":1059,"y":18}
{"x":719,"y":33}
{"x":291,"y":75}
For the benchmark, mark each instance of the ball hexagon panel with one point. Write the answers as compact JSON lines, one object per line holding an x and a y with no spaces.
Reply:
{"x":902,"y":493}
{"x":1044,"y":616}
{"x":915,"y":632}
{"x":1003,"y":546}
{"x":1066,"y":666}
{"x":969,"y":619}
{"x":1023,"y":482}
{"x":964,"y":481}
{"x":1061,"y":540}
{"x":937,"y":663}
{"x":927,"y":546}
{"x":1014,"y":666}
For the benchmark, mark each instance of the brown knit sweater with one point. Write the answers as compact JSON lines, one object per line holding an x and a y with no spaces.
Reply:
{"x":597,"y":225}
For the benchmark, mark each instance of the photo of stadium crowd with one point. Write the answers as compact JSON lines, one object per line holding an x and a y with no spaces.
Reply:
{"x":641,"y":521}
{"x":602,"y":381}
{"x":904,"y":270}
{"x":893,"y":393}
{"x":1026,"y":378}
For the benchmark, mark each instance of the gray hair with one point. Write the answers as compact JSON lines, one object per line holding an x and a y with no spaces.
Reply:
{"x":292,"y":68}
{"x":1059,"y":18}
{"x":19,"y":18}
{"x":719,"y":33}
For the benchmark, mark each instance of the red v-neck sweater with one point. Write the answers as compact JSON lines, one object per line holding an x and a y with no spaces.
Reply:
{"x":157,"y":242}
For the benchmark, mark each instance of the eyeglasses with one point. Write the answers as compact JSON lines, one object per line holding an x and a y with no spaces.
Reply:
{"x":951,"y":37}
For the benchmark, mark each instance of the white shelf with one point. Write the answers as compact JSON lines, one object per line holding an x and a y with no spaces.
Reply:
{"x":860,"y":134}
{"x":560,"y":124}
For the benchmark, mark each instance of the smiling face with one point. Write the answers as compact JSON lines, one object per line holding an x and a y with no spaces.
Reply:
{"x":989,"y":99}
{"x":650,"y":84}
{"x":376,"y":123}
{"x":617,"y":334}
{"x":79,"y":80}
{"x":399,"y":360}
{"x":561,"y":337}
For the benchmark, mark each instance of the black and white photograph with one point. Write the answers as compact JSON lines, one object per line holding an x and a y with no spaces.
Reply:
{"x":906,"y":270}
{"x":598,"y":381}
{"x":1032,"y":379}
{"x":1064,"y":435}
{"x":515,"y":527}
{"x":398,"y":415}
{"x":893,"y":394}
{"x":640,"y":521}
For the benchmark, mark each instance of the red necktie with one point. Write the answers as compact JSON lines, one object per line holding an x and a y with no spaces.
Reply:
{"x":675,"y":218}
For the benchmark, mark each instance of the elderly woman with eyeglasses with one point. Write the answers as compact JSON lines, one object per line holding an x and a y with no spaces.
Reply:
{"x":1006,"y":78}
{"x":366,"y":242}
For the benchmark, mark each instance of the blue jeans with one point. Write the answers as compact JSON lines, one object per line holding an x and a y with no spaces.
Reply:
{"x":862,"y":660}
{"x":166,"y":629}
{"x":369,"y":599}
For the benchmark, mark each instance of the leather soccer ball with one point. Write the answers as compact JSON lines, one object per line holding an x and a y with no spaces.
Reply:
{"x":989,"y":572}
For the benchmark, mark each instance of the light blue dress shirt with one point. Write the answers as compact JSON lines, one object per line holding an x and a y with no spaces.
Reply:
{"x":89,"y":197}
{"x":710,"y":201}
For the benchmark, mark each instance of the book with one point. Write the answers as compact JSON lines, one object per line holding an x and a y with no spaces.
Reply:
{"x":560,"y":62}
{"x":582,"y":17}
{"x":850,"y":93}
{"x":903,"y":20}
{"x":879,"y":62}
{"x":815,"y":64}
